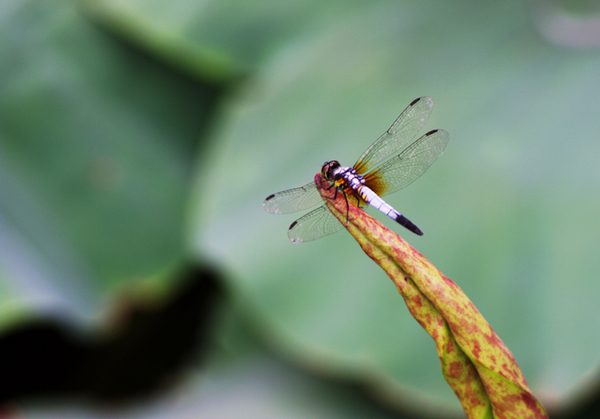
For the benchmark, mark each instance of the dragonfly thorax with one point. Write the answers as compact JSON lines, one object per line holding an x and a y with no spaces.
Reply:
{"x":342,"y":176}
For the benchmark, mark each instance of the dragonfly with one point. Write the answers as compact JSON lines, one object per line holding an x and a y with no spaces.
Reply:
{"x":391,"y":163}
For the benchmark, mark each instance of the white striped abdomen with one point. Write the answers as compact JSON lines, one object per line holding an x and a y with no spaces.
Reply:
{"x":346,"y":176}
{"x":376,"y":202}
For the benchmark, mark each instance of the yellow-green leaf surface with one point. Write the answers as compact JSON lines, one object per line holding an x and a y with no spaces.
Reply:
{"x":509,"y":209}
{"x":476,"y":364}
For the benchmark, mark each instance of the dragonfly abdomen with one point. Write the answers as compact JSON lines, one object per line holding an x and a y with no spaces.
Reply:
{"x":375,"y":201}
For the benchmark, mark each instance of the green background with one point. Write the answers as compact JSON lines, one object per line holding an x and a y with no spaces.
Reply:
{"x":136,"y":136}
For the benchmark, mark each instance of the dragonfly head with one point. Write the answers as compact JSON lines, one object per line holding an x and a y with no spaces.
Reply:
{"x":328,"y":171}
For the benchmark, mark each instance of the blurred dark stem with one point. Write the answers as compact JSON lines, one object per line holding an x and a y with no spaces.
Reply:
{"x":589,"y":408}
{"x":46,"y":359}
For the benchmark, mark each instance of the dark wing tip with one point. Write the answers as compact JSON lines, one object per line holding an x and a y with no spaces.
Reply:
{"x":433,"y":131}
{"x":414,"y":101}
{"x":292,"y":238}
{"x":272,"y":209}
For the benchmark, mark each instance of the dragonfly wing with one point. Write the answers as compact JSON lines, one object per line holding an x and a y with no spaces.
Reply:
{"x":403,"y":169}
{"x":292,"y":200}
{"x":402,"y":131}
{"x":314,"y":225}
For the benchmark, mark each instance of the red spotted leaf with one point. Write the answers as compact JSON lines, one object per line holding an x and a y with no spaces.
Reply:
{"x":477,"y":365}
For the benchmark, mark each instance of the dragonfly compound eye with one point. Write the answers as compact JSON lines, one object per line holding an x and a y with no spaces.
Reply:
{"x":329,"y":168}
{"x":325,"y":170}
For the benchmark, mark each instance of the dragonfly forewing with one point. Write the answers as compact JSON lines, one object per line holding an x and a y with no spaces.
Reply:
{"x":405,"y":168}
{"x":401,"y":133}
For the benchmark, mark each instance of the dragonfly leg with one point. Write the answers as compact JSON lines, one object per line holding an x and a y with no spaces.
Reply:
{"x":345,"y":198}
{"x":347,"y":208}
